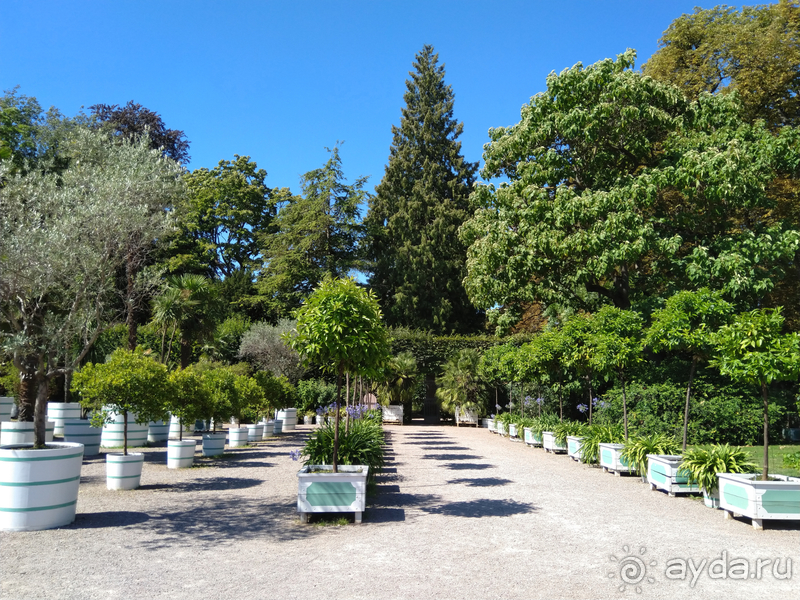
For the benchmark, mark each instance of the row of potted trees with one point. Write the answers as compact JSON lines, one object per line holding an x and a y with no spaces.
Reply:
{"x":723,"y":474}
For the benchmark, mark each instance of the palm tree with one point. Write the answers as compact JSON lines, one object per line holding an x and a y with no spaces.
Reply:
{"x":459,"y":386}
{"x":187,"y":306}
{"x":400,"y":378}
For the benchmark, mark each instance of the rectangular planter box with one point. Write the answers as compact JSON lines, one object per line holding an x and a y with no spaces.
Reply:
{"x":549,"y":443}
{"x":329,"y":492}
{"x":486,"y":423}
{"x":500,"y":427}
{"x":611,"y":459}
{"x":512,"y":430}
{"x":466,"y":417}
{"x":574,"y":444}
{"x":745,"y":495}
{"x":532,"y":439}
{"x":663,"y":473}
{"x":393,"y":414}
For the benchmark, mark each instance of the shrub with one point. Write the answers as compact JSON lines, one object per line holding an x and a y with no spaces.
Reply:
{"x":701,"y":465}
{"x":313,"y":393}
{"x":362,"y":444}
{"x":638,"y":447}
{"x":596,"y":435}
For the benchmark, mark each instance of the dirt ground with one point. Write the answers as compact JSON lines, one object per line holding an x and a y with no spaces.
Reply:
{"x":458,"y":513}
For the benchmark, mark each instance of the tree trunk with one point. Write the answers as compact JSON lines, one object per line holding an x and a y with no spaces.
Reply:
{"x":28,"y":388}
{"x":125,"y":434}
{"x":130,"y":304}
{"x":765,"y":469}
{"x":688,"y":397}
{"x":347,"y":402}
{"x":40,"y":411}
{"x":624,"y":406}
{"x":589,"y":381}
{"x":336,"y":427}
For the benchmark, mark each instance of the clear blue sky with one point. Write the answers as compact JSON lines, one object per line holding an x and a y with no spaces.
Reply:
{"x":280,"y":81}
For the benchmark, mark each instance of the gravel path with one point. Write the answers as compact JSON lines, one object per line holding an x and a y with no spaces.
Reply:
{"x":459,"y":513}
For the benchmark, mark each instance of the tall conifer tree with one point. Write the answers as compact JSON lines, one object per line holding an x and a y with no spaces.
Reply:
{"x":417,"y":259}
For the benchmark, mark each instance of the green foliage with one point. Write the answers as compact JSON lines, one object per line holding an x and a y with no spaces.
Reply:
{"x":701,"y":465}
{"x":399,"y":381}
{"x":129,"y":382}
{"x":417,"y":260}
{"x":638,"y":447}
{"x":547,"y":422}
{"x":9,"y":379}
{"x":431,"y":351}
{"x":620,"y":189}
{"x":792,"y":460}
{"x":227,"y":338}
{"x":459,"y":386}
{"x":189,"y":397}
{"x":362,"y":444}
{"x":313,"y":235}
{"x":233,"y":394}
{"x":564,"y":428}
{"x":279,"y":392}
{"x":264,"y":347}
{"x":313,"y":393}
{"x":597,"y":434}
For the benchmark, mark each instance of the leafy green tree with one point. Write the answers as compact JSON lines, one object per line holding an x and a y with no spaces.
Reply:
{"x":225,"y":209}
{"x":545,"y":358}
{"x":617,"y":346}
{"x":189,"y":398}
{"x":399,"y":380}
{"x":187,"y":307}
{"x":263,"y":345}
{"x":714,"y":50}
{"x":314,"y":235}
{"x":687,"y":323}
{"x":621,"y":191}
{"x":62,"y":241}
{"x":416,"y":258}
{"x":128,"y":382}
{"x":459,"y":387}
{"x":339,"y":328}
{"x":577,"y":335}
{"x":754,"y":350}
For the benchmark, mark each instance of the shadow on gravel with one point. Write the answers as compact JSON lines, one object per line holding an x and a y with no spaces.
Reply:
{"x":482,"y":481}
{"x":443,"y":446}
{"x":206,"y":485}
{"x":481,"y":508}
{"x":452,"y":457}
{"x":100,"y":520}
{"x":384,"y":515}
{"x":468,"y":466}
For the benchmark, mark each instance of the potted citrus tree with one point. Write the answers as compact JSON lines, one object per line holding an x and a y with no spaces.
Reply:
{"x":134,"y":385}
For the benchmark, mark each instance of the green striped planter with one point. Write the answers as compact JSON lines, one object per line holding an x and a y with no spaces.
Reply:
{"x":512,"y":430}
{"x":550,"y":444}
{"x":289,"y":418}
{"x":611,"y":459}
{"x":39,"y":488}
{"x":268,"y":429}
{"x":574,"y":444}
{"x":213,"y":443}
{"x":58,"y":412}
{"x":237,"y":436}
{"x":175,"y":428}
{"x":745,"y":495}
{"x":82,"y":432}
{"x":124,"y":471}
{"x":277,"y":426}
{"x":255,"y":433}
{"x":157,"y":431}
{"x":21,"y":432}
{"x":320,"y":490}
{"x":180,"y":453}
{"x":664,"y":473}
{"x":531,"y":438}
{"x":6,"y":404}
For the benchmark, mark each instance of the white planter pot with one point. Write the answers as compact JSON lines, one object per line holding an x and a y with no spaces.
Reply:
{"x":490,"y":425}
{"x":175,"y":428}
{"x":289,"y":418}
{"x":466,"y":417}
{"x":329,"y":492}
{"x":393,"y":414}
{"x":21,"y":432}
{"x":114,"y":432}
{"x":308,"y":420}
{"x":663,"y":473}
{"x":550,"y":444}
{"x":255,"y":433}
{"x":6,"y":404}
{"x":180,"y":453}
{"x":611,"y":459}
{"x":124,"y":472}
{"x":500,"y":427}
{"x":58,"y":412}
{"x":82,"y":432}
{"x":531,"y":438}
{"x":269,"y":429}
{"x":320,"y":419}
{"x":237,"y":436}
{"x":157,"y":431}
{"x":277,"y":426}
{"x":574,"y":444}
{"x":214,"y":443}
{"x":711,"y":500}
{"x":485,"y":423}
{"x":745,"y":495}
{"x":512,"y":430}
{"x":39,"y":488}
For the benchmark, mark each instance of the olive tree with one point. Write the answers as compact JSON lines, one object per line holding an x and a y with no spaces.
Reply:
{"x":63,"y":239}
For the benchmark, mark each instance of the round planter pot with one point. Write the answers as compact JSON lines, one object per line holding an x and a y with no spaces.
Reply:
{"x":114,"y":432}
{"x":269,"y":429}
{"x":157,"y":431}
{"x":39,"y":488}
{"x":82,"y":432}
{"x":255,"y":433}
{"x":213,"y":443}
{"x":180,"y":453}
{"x":6,"y":405}
{"x":237,"y":436}
{"x":320,"y":420}
{"x":21,"y":432}
{"x":58,"y":412}
{"x":124,"y":472}
{"x":289,"y":418}
{"x":277,"y":426}
{"x":308,"y":420}
{"x":175,"y":428}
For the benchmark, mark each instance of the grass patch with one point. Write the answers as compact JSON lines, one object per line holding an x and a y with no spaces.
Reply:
{"x":777,"y":452}
{"x":329,"y":521}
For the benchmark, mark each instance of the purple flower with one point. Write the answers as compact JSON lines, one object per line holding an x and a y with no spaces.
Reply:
{"x":510,"y":405}
{"x":497,"y":406}
{"x":295,"y":454}
{"x":540,"y":401}
{"x":583,"y":408}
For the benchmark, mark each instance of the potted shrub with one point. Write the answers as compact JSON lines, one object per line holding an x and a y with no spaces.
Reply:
{"x":187,"y":401}
{"x":637,"y":449}
{"x":459,"y":387}
{"x":596,"y":435}
{"x":130,"y":382}
{"x":570,"y":435}
{"x":701,"y":466}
